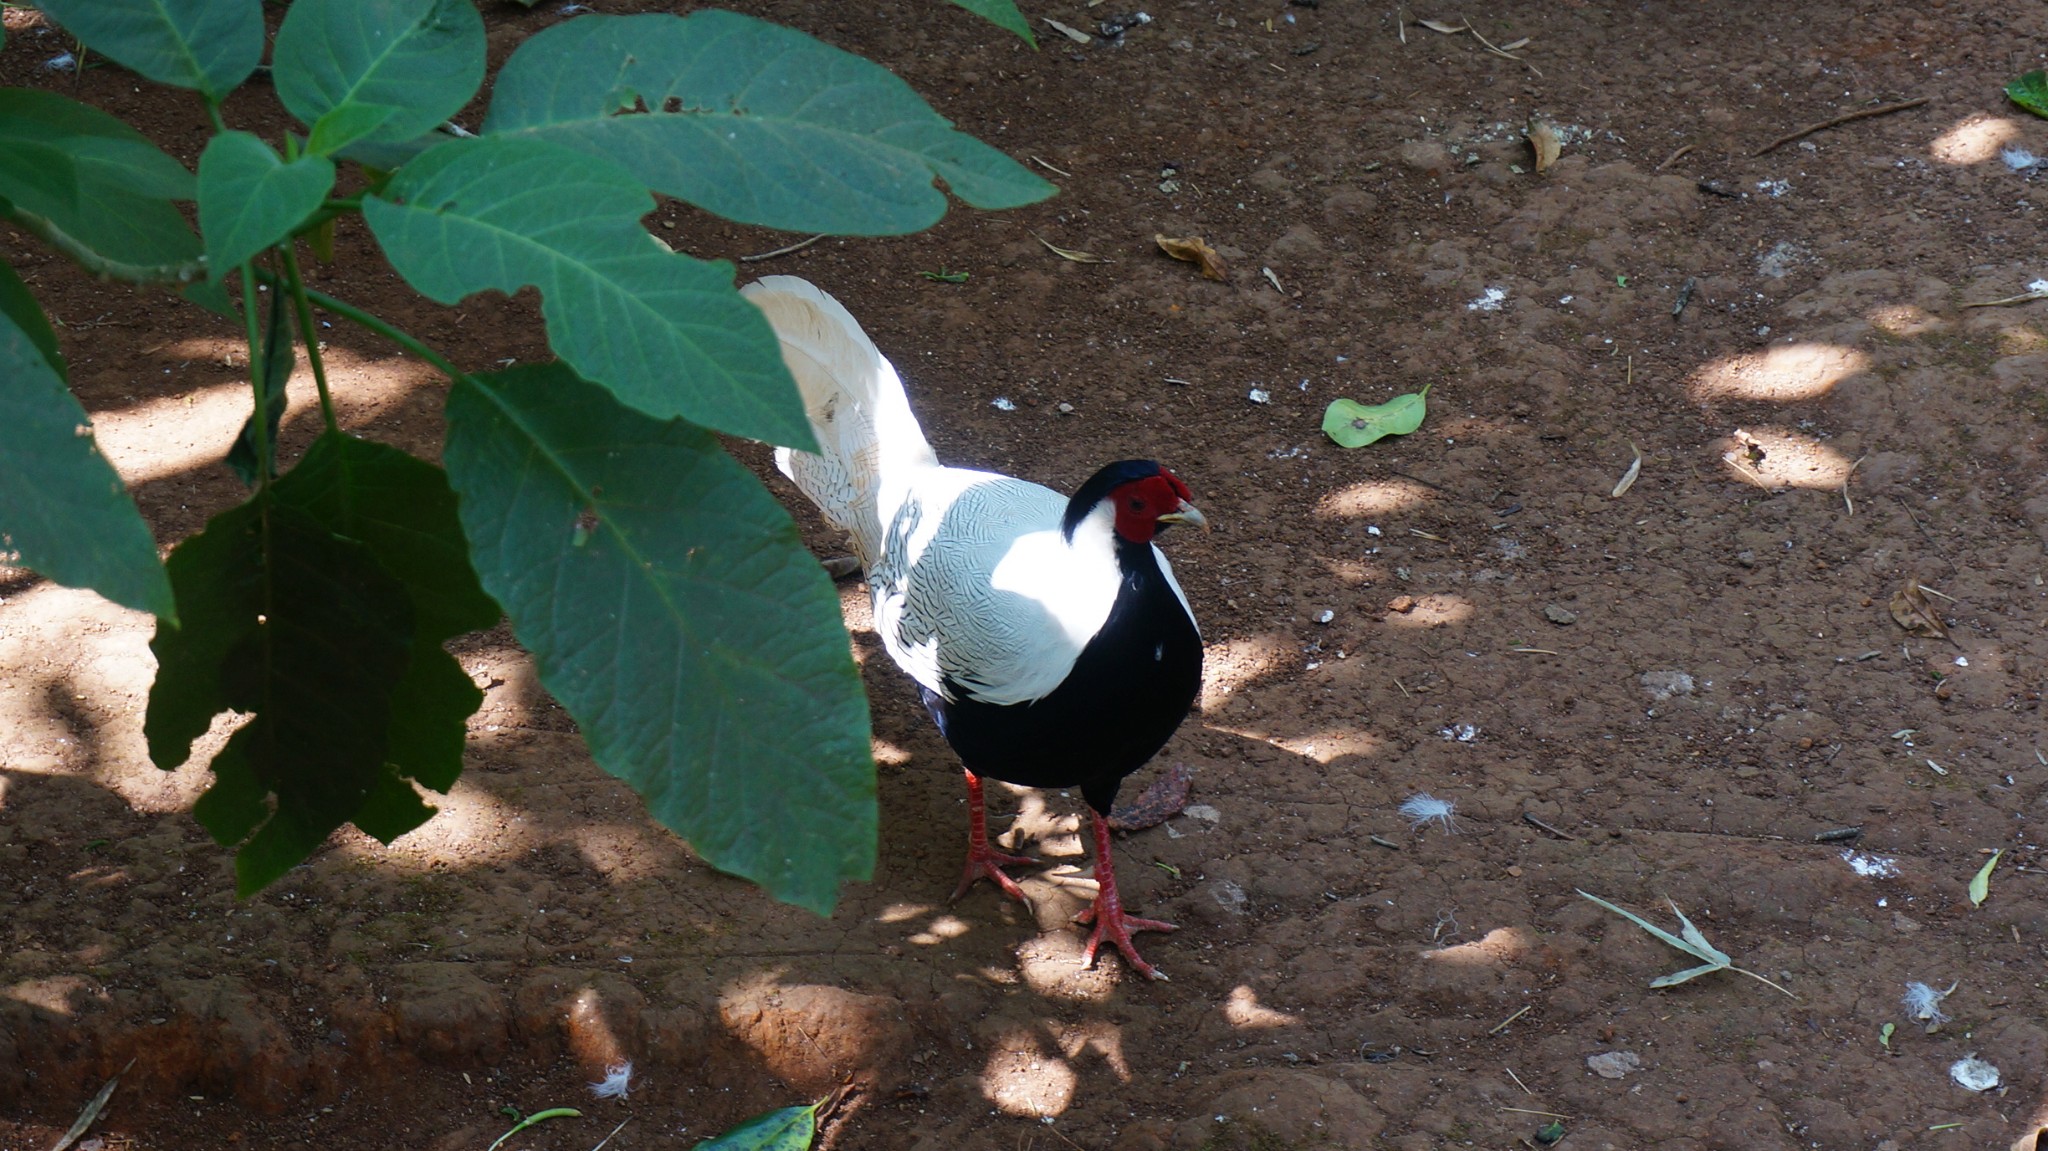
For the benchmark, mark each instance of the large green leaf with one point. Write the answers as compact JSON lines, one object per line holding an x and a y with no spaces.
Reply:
{"x":414,"y":62}
{"x":1003,"y":14}
{"x":402,"y":509}
{"x":303,"y":629}
{"x":90,"y":184}
{"x":63,"y":511}
{"x":756,"y":122}
{"x":676,"y":615}
{"x":210,"y":45}
{"x":250,"y":198}
{"x":666,"y":333}
{"x":789,"y":1129}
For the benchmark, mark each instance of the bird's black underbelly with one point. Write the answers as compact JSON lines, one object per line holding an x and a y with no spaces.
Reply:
{"x":1127,"y":693}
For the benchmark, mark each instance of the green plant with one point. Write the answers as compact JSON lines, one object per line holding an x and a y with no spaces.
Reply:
{"x":1693,"y":942}
{"x":663,"y":592}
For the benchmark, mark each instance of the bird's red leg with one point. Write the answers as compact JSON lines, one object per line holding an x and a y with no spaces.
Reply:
{"x":982,"y":860}
{"x":1107,"y":912}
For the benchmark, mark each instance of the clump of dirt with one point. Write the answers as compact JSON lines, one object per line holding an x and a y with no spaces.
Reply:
{"x":1694,"y":690}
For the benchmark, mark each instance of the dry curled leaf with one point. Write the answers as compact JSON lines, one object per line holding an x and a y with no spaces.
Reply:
{"x":1910,"y":610}
{"x":1543,"y":139}
{"x":1166,"y":798}
{"x":1069,"y":253}
{"x":1628,"y":478}
{"x":1070,"y":32}
{"x":1194,"y":250}
{"x":1445,"y":27}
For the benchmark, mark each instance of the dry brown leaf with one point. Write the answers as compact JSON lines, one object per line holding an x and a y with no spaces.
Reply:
{"x":1194,"y":250}
{"x":1069,"y":253}
{"x":1910,"y":610}
{"x":1628,"y":478}
{"x":1071,"y":33}
{"x":1544,"y":140}
{"x":1446,"y":29}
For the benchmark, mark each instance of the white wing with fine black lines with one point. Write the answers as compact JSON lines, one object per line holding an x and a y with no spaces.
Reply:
{"x":977,"y":591}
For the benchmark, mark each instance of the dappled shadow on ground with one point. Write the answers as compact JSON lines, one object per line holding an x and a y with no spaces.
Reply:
{"x":1666,"y":693}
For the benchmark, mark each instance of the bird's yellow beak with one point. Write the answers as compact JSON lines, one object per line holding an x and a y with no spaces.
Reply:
{"x":1186,"y":513}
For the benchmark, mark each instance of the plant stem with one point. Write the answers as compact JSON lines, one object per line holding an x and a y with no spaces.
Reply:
{"x":364,"y":319}
{"x":1760,"y":979}
{"x":307,"y":334}
{"x":259,"y":374}
{"x":100,"y":266}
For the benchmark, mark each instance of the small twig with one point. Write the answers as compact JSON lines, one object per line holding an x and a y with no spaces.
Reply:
{"x":1846,"y":117}
{"x":2022,"y":298}
{"x":1530,"y":651}
{"x":1846,"y":477}
{"x":1386,"y":843}
{"x":1673,"y":158}
{"x":783,"y":251}
{"x":1050,"y":168}
{"x":1503,"y":1026}
{"x":1426,"y":535}
{"x":1526,"y":1111}
{"x":1518,"y":1080}
{"x":1403,"y":687}
{"x":615,"y":1131}
{"x":1496,"y":51}
{"x":1535,"y":822}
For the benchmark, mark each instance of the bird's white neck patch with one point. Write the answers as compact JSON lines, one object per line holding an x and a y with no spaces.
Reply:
{"x":1075,"y":584}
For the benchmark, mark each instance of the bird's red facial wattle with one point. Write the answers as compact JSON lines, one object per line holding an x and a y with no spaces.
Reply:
{"x":1145,"y":506}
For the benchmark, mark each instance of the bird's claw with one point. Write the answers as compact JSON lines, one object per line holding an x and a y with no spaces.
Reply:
{"x":1116,"y":928}
{"x":988,"y":864}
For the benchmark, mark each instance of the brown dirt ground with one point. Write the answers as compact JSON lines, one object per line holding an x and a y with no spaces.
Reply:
{"x":1732,"y":684}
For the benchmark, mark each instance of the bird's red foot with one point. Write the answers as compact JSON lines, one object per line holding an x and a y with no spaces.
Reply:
{"x":988,"y":863}
{"x":1116,"y":927}
{"x":983,"y":861}
{"x":1107,"y":912}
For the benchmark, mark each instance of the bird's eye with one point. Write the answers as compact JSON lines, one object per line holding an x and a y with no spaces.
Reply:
{"x":1136,"y":503}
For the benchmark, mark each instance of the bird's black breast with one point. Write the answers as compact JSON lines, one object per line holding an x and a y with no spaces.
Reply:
{"x":1128,"y":691}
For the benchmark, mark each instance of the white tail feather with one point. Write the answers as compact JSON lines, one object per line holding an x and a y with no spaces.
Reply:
{"x":870,"y":446}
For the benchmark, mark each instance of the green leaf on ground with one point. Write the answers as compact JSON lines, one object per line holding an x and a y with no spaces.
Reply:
{"x":1003,"y":14}
{"x":675,"y":613}
{"x":756,"y":122}
{"x":73,"y":170}
{"x":1354,"y":425}
{"x":250,"y":198}
{"x":63,"y":510}
{"x":1691,"y":941}
{"x":789,"y":1129}
{"x":306,"y":631}
{"x":410,"y":63}
{"x":210,"y":45}
{"x":1980,"y":884}
{"x":502,"y":213}
{"x":2030,"y":91}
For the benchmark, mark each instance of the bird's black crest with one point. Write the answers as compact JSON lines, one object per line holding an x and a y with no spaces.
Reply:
{"x":1100,"y":484}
